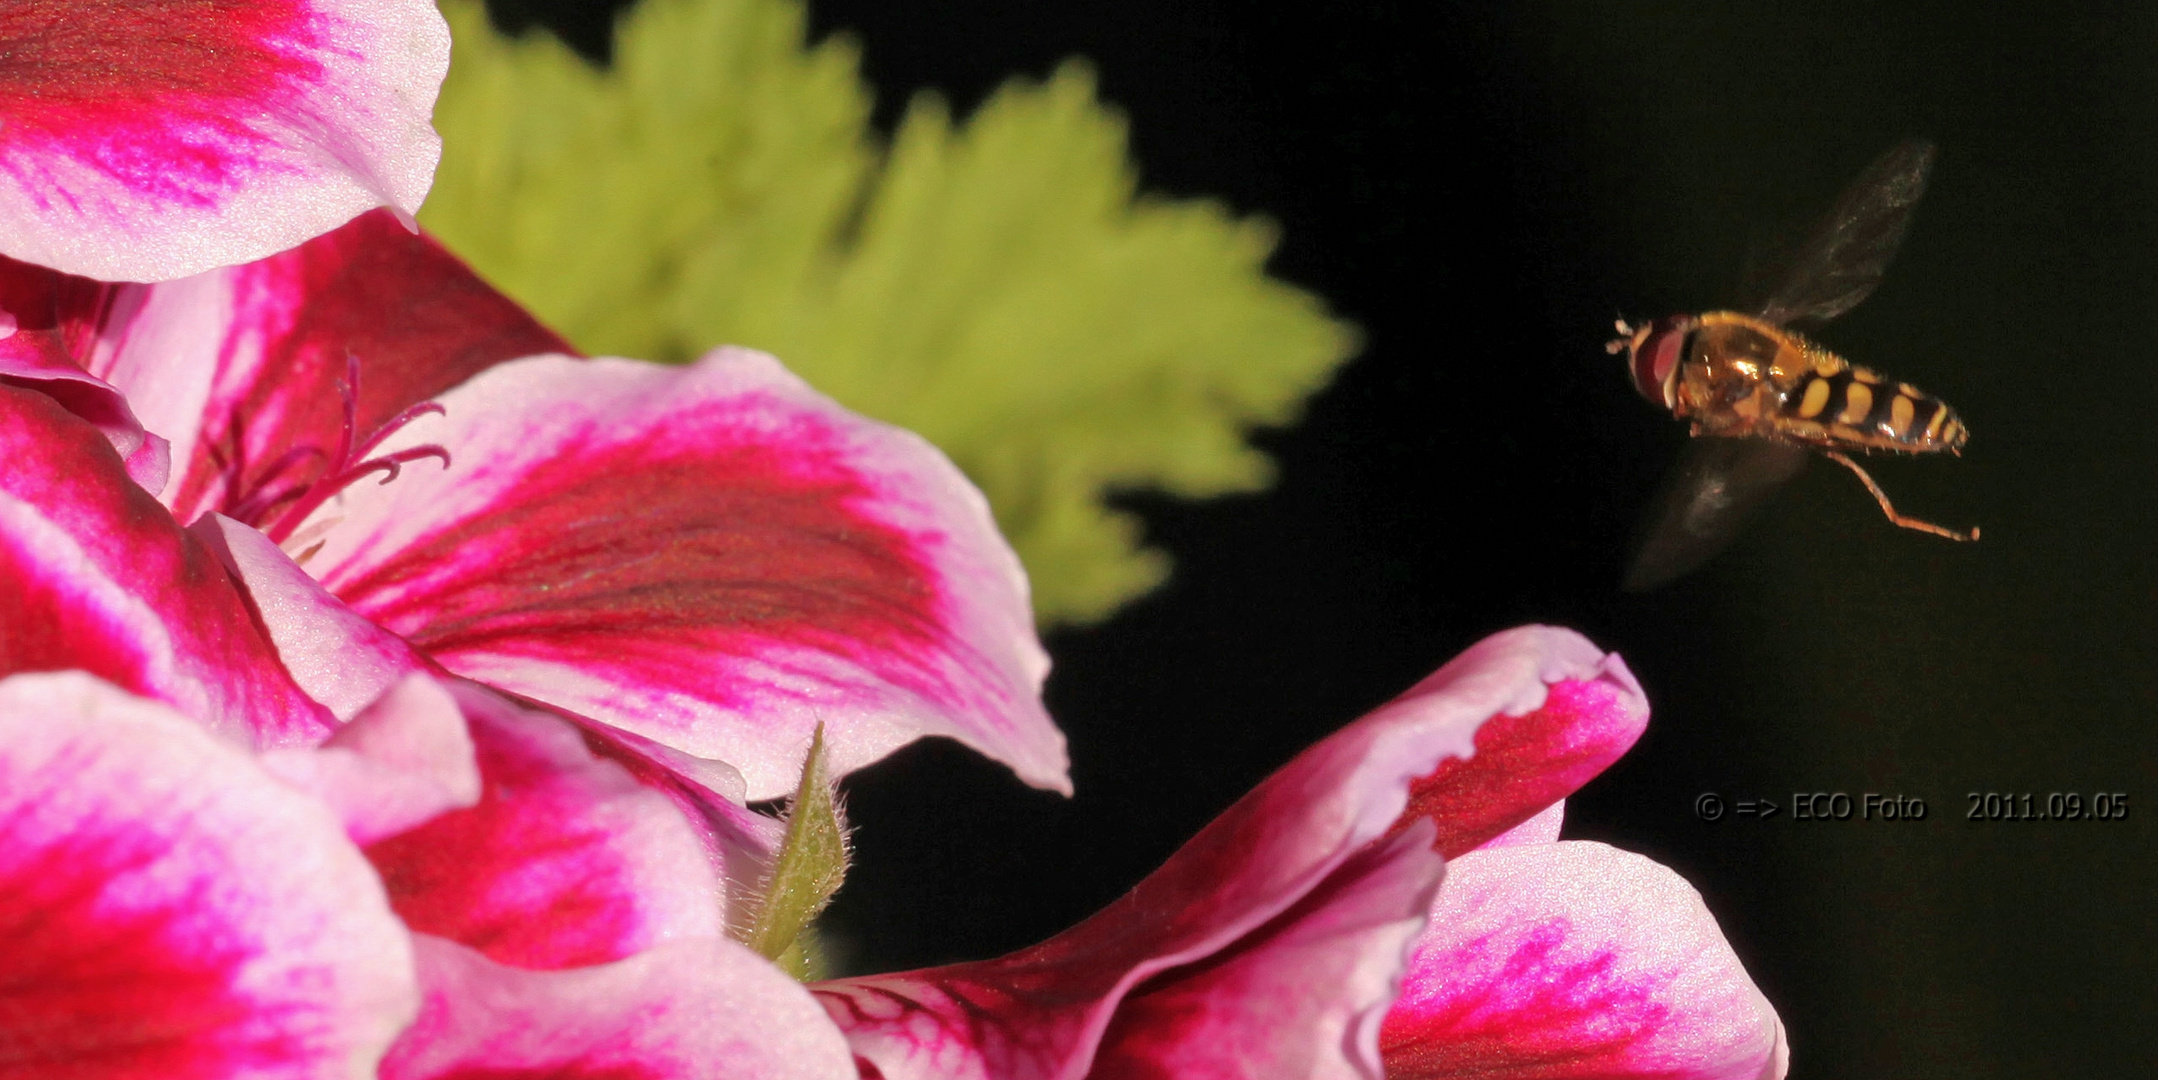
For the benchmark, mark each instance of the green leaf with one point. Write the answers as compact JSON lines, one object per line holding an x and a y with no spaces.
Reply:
{"x":997,"y":285}
{"x":812,"y":863}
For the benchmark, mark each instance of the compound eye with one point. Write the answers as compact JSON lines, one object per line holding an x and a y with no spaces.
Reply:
{"x":1655,"y":361}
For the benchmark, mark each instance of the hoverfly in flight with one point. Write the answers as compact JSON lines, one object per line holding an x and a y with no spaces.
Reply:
{"x":1760,"y":396}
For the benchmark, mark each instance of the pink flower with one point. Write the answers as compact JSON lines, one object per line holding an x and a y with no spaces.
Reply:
{"x":148,"y":141}
{"x":711,"y":560}
{"x":713,"y":546}
{"x":178,"y":908}
{"x":713,"y":552}
{"x":1274,"y":943}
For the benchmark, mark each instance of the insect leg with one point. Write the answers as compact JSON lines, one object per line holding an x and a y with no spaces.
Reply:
{"x":1882,"y":498}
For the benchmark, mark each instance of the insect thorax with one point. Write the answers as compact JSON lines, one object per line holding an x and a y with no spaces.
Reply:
{"x":1738,"y":372}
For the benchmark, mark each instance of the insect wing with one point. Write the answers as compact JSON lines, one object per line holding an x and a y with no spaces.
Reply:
{"x":1706,"y":500}
{"x":1842,"y":262}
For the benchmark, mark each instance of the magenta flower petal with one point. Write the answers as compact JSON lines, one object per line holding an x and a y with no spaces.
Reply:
{"x":1576,"y":961}
{"x":145,"y":141}
{"x":402,"y":762}
{"x":337,"y":657}
{"x":244,"y":366}
{"x":566,"y":860}
{"x":49,"y":324}
{"x":1526,"y":763}
{"x":350,"y":664}
{"x":174,"y":912}
{"x":1273,"y":887}
{"x":95,"y":575}
{"x":686,"y":1011}
{"x":741,"y":841}
{"x":713,"y":557}
{"x":1541,"y":829}
{"x":1251,"y":1011}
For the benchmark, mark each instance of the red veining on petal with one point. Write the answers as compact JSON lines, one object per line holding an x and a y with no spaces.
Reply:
{"x":1525,"y":763}
{"x":648,"y":553}
{"x":565,"y":861}
{"x":417,"y":318}
{"x":1538,"y":1013}
{"x":523,"y":877}
{"x":559,"y":1070}
{"x":95,"y":575}
{"x":958,"y":1019}
{"x":55,"y":315}
{"x":102,"y":976}
{"x":152,"y":93}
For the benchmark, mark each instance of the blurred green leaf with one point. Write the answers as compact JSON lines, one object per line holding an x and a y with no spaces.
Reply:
{"x":997,"y":285}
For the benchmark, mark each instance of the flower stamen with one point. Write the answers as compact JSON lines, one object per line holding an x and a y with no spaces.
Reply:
{"x":279,"y":509}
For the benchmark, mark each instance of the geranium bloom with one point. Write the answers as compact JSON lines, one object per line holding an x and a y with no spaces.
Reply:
{"x":710,"y":559}
{"x":766,"y":560}
{"x":180,"y":909}
{"x":143,"y":141}
{"x":713,"y":560}
{"x":1272,"y":945}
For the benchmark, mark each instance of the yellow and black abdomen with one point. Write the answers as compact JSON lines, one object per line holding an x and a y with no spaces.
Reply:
{"x":1843,"y":405}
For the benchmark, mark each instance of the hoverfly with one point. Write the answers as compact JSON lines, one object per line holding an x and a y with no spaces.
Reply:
{"x":1760,"y":396}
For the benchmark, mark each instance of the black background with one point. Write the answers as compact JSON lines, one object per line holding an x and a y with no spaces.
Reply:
{"x":1483,"y":191}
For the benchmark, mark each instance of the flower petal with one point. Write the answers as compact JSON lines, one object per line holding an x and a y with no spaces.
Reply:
{"x":566,"y":860}
{"x":241,"y":366}
{"x":713,"y":557}
{"x":1541,"y":829}
{"x":174,"y":912}
{"x":145,"y":141}
{"x":743,"y":843}
{"x":349,"y":663}
{"x":1293,"y":840}
{"x":337,"y":657}
{"x":1526,"y":763}
{"x":1575,"y":961}
{"x":403,"y":761}
{"x":49,"y":324}
{"x":686,"y":1011}
{"x":95,"y":575}
{"x":1251,"y":1010}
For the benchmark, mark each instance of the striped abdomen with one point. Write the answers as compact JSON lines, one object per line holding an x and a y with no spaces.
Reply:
{"x":1842,"y":404}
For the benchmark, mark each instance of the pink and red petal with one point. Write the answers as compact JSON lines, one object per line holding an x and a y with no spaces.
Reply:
{"x":146,"y":140}
{"x":1575,"y":961}
{"x":96,"y":576}
{"x":1251,"y":1010}
{"x":244,"y":366}
{"x":49,"y":323}
{"x":685,"y":1011}
{"x":393,"y":771}
{"x":1542,"y":829}
{"x":173,"y":912}
{"x":566,"y":860}
{"x":714,"y":557}
{"x":1248,"y":903}
{"x":338,"y":658}
{"x":403,"y":761}
{"x":1527,"y":763}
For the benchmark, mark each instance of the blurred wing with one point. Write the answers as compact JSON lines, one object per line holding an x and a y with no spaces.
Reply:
{"x":1842,"y":261}
{"x":1705,"y":501}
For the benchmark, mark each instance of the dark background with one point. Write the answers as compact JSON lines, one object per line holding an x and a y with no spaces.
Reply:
{"x":1483,"y":191}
